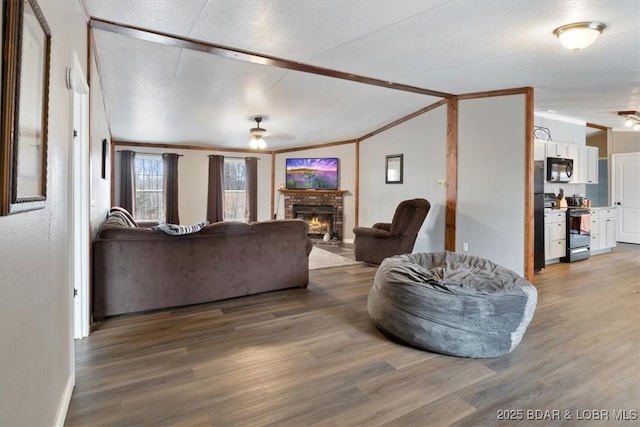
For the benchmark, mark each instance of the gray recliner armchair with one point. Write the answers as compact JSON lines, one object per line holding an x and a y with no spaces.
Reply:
{"x":382,"y":240}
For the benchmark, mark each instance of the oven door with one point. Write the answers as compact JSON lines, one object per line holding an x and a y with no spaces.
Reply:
{"x":578,"y":228}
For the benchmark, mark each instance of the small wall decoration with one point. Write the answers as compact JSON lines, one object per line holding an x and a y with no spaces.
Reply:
{"x":105,"y":157}
{"x":393,"y":170}
{"x":26,"y":45}
{"x":541,"y":133}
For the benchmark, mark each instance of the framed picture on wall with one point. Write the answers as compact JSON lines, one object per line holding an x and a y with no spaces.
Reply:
{"x":26,"y":41}
{"x":393,"y":169}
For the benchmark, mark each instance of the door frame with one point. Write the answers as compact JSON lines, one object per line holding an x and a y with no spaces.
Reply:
{"x":613,"y":196}
{"x":79,"y":205}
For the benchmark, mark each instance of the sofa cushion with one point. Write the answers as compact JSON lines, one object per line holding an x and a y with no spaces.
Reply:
{"x":280,"y":225}
{"x":177,"y":230}
{"x":224,"y":227}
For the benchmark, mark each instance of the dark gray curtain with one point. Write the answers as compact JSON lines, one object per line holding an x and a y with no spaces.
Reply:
{"x":215,"y":196}
{"x":170,"y":187}
{"x":251,"y":165}
{"x":127,"y":181}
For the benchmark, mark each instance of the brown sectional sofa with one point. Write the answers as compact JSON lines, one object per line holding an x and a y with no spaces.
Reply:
{"x":137,"y":269}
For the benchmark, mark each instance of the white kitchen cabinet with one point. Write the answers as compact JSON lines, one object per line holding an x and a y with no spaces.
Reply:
{"x":573,"y":152}
{"x":607,"y":227}
{"x":592,"y":165}
{"x":557,"y":149}
{"x":586,"y":166}
{"x":603,"y":229}
{"x":581,"y":167}
{"x":555,"y":234}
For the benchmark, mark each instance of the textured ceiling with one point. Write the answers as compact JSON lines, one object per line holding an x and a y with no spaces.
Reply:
{"x":168,"y":94}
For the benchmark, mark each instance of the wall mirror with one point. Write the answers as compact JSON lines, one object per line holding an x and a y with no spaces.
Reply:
{"x":26,"y":47}
{"x":393,"y":170}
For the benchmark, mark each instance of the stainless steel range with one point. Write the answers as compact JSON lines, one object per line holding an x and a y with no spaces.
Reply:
{"x":578,"y":234}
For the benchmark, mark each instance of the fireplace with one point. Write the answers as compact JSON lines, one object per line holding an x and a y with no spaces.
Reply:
{"x":329,"y":202}
{"x":319,"y":219}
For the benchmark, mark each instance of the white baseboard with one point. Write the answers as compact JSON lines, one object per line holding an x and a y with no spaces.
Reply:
{"x":65,"y":400}
{"x":347,"y":240}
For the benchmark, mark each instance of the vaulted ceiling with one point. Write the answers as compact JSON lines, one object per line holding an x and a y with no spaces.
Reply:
{"x":173,"y":71}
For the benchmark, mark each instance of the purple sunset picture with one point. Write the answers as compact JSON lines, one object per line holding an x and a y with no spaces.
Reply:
{"x":312,"y":173}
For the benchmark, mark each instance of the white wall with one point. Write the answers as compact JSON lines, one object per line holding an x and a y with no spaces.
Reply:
{"x":625,"y":142}
{"x":422,"y":142}
{"x":193,"y":173}
{"x":36,"y":358}
{"x":347,"y":176}
{"x":491,"y":185}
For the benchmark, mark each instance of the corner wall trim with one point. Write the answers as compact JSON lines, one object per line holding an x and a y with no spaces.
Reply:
{"x":65,"y":401}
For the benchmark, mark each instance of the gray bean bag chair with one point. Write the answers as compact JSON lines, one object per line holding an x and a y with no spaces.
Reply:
{"x":450,"y":303}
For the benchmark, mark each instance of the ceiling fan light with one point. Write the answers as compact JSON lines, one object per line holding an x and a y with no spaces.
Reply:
{"x":629,"y":122}
{"x":579,"y":35}
{"x":257,"y":133}
{"x":636,"y":127}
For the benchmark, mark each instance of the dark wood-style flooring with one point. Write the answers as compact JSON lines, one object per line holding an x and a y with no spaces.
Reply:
{"x":311,"y":357}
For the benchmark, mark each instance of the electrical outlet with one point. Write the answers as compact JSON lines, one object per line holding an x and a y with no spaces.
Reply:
{"x":465,"y":247}
{"x":442,"y":183}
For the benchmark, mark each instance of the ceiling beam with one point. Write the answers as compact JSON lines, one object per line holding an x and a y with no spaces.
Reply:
{"x":596,"y":126}
{"x":251,"y":57}
{"x":631,"y":114}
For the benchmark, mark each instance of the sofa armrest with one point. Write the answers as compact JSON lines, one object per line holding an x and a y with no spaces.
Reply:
{"x":383,"y":226}
{"x":372,"y":232}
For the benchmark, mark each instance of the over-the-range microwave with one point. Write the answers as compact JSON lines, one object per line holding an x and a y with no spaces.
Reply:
{"x":559,"y":169}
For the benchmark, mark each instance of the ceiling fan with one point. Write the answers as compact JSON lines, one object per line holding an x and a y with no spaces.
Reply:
{"x":257,"y":135}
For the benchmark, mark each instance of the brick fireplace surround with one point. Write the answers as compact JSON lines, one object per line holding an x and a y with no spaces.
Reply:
{"x":317,"y":198}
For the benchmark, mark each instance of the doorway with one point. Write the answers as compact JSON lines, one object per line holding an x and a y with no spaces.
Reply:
{"x":626,"y":196}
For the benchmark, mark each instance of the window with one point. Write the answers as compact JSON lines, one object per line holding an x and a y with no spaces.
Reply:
{"x":235,"y":194}
{"x":149,"y":187}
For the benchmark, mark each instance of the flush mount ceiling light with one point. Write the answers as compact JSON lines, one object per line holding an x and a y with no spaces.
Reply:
{"x":257,"y":134}
{"x":580,"y":34}
{"x":632,"y":119}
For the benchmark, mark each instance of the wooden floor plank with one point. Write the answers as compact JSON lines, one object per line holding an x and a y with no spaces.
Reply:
{"x":312,"y":357}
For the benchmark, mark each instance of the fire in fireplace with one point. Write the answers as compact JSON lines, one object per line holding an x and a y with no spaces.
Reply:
{"x":319,"y":219}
